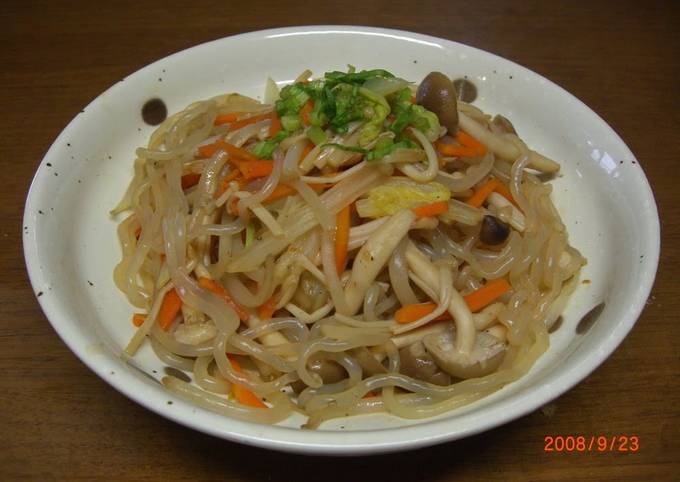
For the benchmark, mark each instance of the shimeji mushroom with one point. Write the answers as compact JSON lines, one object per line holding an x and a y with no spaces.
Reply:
{"x":416,"y":362}
{"x":516,"y":219}
{"x":438,"y":94}
{"x":484,"y":358}
{"x":464,"y":353}
{"x":493,"y":231}
{"x":503,"y":147}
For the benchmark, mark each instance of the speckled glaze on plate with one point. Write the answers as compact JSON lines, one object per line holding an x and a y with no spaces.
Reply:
{"x":71,"y":247}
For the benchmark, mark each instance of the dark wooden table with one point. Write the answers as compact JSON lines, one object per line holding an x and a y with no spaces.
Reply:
{"x":59,"y":421}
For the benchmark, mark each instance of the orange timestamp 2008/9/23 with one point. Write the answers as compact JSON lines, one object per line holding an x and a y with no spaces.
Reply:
{"x":591,"y":443}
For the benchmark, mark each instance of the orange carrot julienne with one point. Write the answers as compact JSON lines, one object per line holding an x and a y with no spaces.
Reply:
{"x":452,"y":150}
{"x":209,"y":150}
{"x":267,"y":309}
{"x":283,"y":190}
{"x":476,"y":300}
{"x":409,"y":313}
{"x":483,"y":192}
{"x":431,"y":210}
{"x":342,"y":225}
{"x":468,"y":141}
{"x":487,"y":294}
{"x":138,"y":232}
{"x":227,"y":118}
{"x":217,"y":289}
{"x":305,"y":111}
{"x":275,"y":126}
{"x":138,"y":319}
{"x":249,"y":120}
{"x":189,"y":180}
{"x":255,"y":169}
{"x":280,"y":191}
{"x":224,"y":184}
{"x":169,"y":309}
{"x":241,"y":393}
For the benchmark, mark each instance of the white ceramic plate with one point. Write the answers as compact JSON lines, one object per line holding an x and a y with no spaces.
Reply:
{"x":71,"y":246}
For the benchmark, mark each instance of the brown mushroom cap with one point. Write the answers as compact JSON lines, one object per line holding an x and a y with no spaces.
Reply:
{"x":438,"y":94}
{"x":485,"y":357}
{"x":503,"y":124}
{"x":493,"y":231}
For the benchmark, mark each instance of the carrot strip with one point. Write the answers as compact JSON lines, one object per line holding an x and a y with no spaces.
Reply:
{"x":283,"y":190}
{"x":266,"y":310}
{"x":342,"y":238}
{"x":169,"y":309}
{"x":431,"y":210}
{"x":305,"y":111}
{"x":503,"y":190}
{"x":189,"y":180}
{"x":280,"y":191}
{"x":227,"y":118}
{"x":255,"y":169}
{"x":409,"y":313}
{"x":249,"y":120}
{"x":487,"y":294}
{"x":224,"y":184}
{"x":468,"y":141}
{"x":451,"y":150}
{"x":480,"y":195}
{"x":219,"y":290}
{"x":209,"y":150}
{"x":476,"y":300}
{"x":241,"y":393}
{"x":275,"y":126}
{"x":138,"y":319}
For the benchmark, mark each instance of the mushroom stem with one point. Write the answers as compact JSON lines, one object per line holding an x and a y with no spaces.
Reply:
{"x":373,"y":255}
{"x":498,"y":331}
{"x":517,"y":219}
{"x":503,"y":147}
{"x":487,"y":316}
{"x":359,"y":234}
{"x":462,"y":316}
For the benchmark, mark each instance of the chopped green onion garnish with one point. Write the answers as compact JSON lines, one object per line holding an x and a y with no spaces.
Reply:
{"x":317,"y":135}
{"x":265,"y":149}
{"x":291,"y":123}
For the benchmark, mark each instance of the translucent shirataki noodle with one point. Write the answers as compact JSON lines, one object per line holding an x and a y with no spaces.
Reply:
{"x":332,"y":268}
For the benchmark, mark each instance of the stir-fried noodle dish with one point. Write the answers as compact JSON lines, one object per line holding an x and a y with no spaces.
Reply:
{"x":356,"y":243}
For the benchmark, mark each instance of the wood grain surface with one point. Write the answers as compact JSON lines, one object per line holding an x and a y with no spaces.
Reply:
{"x":58,"y":421}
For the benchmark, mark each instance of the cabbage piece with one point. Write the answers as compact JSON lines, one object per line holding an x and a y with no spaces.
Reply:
{"x":426,"y":122}
{"x":400,"y":193}
{"x":406,"y":114}
{"x":376,"y":109}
